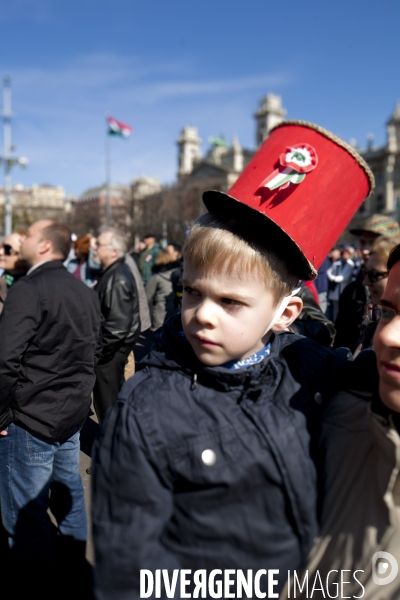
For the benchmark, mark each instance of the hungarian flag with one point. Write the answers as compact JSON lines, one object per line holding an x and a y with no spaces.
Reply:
{"x":117,"y":128}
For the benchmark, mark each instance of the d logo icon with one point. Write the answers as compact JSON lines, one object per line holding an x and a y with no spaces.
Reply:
{"x":383,"y":568}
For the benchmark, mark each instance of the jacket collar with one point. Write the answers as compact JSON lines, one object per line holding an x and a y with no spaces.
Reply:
{"x":47,"y":266}
{"x":361,"y":378}
{"x":113,"y":266}
{"x":378,"y":408}
{"x":173,"y":351}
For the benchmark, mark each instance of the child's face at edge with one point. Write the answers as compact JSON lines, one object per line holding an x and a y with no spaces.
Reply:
{"x":387,"y":342}
{"x":225,"y":317}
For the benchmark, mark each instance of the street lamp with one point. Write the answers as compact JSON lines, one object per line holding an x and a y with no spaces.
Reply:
{"x":7,"y":160}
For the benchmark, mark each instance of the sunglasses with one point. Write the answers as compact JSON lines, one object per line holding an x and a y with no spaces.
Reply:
{"x":8,"y":250}
{"x":373,"y":275}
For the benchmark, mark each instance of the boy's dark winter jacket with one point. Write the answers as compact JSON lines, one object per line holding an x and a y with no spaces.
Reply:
{"x":158,"y":504}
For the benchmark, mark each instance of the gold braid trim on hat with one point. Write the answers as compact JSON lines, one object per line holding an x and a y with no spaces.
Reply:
{"x":338,"y":141}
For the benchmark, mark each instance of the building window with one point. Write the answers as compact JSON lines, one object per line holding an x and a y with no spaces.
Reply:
{"x":379,"y":178}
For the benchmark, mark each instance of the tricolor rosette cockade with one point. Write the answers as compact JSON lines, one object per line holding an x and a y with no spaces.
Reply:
{"x":295,"y":163}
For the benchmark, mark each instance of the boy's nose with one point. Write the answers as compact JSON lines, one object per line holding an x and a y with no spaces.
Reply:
{"x":389,"y":334}
{"x":205,"y":313}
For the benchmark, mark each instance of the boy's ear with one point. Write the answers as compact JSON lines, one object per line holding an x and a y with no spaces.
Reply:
{"x":290,"y":314}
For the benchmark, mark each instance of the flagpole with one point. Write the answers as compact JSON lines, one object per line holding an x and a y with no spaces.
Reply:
{"x":116,"y":128}
{"x":108,"y":178}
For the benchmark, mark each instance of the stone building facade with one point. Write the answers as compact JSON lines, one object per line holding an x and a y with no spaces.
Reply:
{"x":90,"y":209}
{"x":146,"y":206}
{"x":172,"y":209}
{"x":384,"y":161}
{"x":38,"y":202}
{"x":169,"y":212}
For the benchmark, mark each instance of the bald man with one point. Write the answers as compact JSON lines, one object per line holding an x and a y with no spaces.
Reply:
{"x":49,"y":332}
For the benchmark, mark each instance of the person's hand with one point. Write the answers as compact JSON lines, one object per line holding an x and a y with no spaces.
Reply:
{"x":4,"y":432}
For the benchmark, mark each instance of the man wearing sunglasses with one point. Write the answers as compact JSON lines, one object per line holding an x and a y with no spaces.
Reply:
{"x":13,"y":267}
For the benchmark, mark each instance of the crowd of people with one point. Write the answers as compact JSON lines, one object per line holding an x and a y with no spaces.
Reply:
{"x":257,"y":443}
{"x":353,"y":278}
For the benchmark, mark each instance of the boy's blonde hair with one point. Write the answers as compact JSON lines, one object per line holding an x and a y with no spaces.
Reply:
{"x":218,"y":244}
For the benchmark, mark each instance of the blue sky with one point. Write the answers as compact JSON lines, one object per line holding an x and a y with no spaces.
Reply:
{"x":159,"y":65}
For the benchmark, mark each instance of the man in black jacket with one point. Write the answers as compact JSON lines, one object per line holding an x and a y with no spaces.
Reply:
{"x":120,"y":324}
{"x":49,"y":332}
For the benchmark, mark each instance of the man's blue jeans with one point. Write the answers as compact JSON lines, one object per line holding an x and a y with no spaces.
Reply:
{"x":35,"y":476}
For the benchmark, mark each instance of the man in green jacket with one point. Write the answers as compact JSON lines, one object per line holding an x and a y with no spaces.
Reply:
{"x":148,"y":256}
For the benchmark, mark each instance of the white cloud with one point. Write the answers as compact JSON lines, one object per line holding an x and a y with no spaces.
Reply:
{"x":60,"y":123}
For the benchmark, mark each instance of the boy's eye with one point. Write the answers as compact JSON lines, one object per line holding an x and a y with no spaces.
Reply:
{"x":230,"y":302}
{"x":387,"y":314}
{"x":189,"y":290}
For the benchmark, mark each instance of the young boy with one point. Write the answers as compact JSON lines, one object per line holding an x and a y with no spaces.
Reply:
{"x":204,"y":480}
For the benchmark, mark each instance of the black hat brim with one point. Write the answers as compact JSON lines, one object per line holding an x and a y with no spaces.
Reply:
{"x":257,"y":226}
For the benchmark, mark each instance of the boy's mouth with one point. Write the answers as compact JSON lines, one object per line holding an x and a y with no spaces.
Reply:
{"x":204,"y":341}
{"x":390,"y":369}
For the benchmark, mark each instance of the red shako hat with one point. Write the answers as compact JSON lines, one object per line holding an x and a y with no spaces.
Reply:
{"x":303,"y":181}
